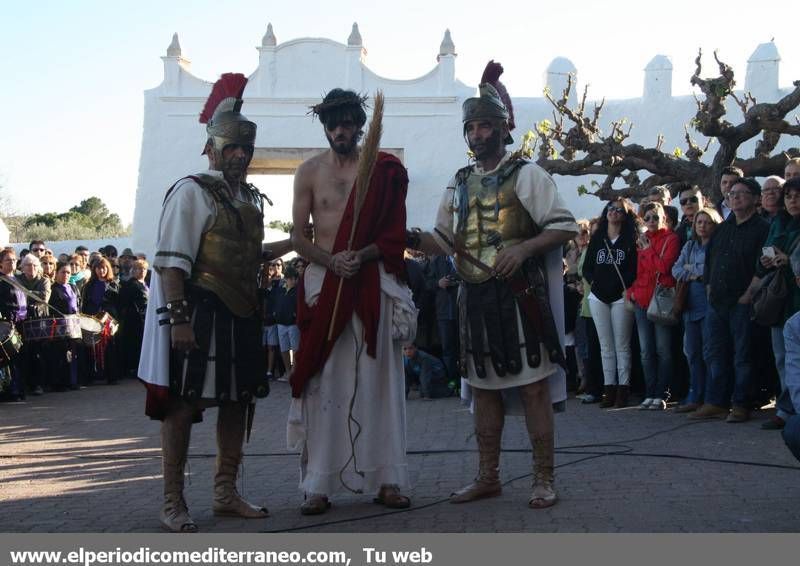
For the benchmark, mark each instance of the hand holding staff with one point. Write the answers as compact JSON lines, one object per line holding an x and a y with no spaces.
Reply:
{"x":366,"y":165}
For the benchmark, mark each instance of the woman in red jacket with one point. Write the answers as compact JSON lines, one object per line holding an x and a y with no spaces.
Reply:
{"x":658,"y":250}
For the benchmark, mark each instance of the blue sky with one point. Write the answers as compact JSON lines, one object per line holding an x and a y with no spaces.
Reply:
{"x":74,"y":72}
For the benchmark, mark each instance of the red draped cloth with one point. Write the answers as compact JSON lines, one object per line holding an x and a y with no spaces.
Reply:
{"x":382,"y":222}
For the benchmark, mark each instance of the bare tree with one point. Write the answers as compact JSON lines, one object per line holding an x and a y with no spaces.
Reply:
{"x":586,"y":150}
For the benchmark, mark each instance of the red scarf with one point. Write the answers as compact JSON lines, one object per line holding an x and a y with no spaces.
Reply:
{"x":382,"y":222}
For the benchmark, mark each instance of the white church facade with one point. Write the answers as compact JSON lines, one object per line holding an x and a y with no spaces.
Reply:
{"x":422,"y":119}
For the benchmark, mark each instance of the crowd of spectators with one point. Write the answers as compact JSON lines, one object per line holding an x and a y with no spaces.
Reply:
{"x":278,"y":298}
{"x":47,"y":302}
{"x":719,"y":267}
{"x":728,"y":273}
{"x":711,"y":354}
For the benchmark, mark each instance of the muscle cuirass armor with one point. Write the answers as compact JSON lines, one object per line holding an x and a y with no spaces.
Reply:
{"x":493,"y":206}
{"x":228,"y":260}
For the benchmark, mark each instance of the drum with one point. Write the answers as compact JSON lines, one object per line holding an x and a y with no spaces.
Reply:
{"x":110,"y":325}
{"x":91,"y":329}
{"x":41,"y":329}
{"x":10,"y":342}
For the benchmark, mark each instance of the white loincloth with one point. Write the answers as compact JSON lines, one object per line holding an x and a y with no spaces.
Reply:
{"x":320,"y":425}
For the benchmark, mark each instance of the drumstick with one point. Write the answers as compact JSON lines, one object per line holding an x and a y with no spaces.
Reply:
{"x":27,"y":292}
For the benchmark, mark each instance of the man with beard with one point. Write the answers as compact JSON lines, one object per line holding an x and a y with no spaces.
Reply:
{"x":506,"y":224}
{"x":348,"y":408}
{"x":201,"y":345}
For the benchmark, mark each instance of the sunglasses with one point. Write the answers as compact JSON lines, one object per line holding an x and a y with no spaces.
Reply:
{"x":652,"y":218}
{"x":38,"y":249}
{"x":618,"y":209}
{"x":685,"y":201}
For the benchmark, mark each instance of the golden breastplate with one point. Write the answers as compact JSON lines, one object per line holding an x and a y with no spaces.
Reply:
{"x":493,"y":206}
{"x":230,"y":255}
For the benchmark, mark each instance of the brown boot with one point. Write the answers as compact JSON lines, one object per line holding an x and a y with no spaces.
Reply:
{"x":623,"y":392}
{"x":539,"y":423}
{"x":543,"y":493}
{"x":609,"y":396}
{"x":489,"y":417}
{"x":230,"y":436}
{"x":175,"y":433}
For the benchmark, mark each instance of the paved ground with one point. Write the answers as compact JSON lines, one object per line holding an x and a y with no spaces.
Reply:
{"x":89,"y":461}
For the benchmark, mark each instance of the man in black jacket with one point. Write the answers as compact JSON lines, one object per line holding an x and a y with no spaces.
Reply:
{"x":731,"y":259}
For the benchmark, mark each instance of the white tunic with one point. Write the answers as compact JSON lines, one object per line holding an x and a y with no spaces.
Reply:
{"x":188,"y":212}
{"x":336,"y":442}
{"x":538,"y":193}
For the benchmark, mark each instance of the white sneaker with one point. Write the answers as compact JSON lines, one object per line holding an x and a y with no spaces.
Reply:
{"x":657,"y":405}
{"x":646,"y":404}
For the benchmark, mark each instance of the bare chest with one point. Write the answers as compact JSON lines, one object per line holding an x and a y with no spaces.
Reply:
{"x":332,"y":191}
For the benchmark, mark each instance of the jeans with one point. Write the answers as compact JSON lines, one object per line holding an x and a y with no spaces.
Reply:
{"x":613,"y":323}
{"x":594,"y":360}
{"x":693,"y":344}
{"x":791,"y":435}
{"x":789,"y":400}
{"x":729,"y":356}
{"x":655,"y":343}
{"x":779,"y":350}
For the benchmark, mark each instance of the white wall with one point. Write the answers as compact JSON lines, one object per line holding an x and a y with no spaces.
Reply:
{"x":422,"y":117}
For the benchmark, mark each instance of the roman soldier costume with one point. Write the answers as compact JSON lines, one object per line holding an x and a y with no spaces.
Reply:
{"x":509,"y":336}
{"x":213,"y":233}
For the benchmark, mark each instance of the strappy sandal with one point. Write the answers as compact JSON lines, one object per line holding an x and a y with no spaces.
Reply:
{"x":315,"y":505}
{"x":175,"y":517}
{"x":391,"y":498}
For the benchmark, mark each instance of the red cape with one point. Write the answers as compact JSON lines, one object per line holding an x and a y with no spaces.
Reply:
{"x":382,"y":222}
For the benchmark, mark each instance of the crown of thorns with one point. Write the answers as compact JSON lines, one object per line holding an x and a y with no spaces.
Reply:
{"x":348,"y":100}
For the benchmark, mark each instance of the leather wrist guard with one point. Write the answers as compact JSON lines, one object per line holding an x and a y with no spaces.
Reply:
{"x":179,"y":312}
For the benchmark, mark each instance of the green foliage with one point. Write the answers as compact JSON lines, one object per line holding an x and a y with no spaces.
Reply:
{"x":280,"y":225}
{"x":46,"y":219}
{"x":89,"y":220}
{"x":544,"y":127}
{"x":526,"y":148}
{"x":677,"y":152}
{"x":582,"y":190}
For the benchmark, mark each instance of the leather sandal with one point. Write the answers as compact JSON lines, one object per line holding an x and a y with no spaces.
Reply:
{"x":544,"y":494}
{"x":175,"y":517}
{"x":390,"y":497}
{"x":315,"y":505}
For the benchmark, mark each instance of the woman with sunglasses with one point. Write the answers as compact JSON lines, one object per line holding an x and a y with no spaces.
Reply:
{"x":658,"y":251}
{"x":691,"y":200}
{"x":610,"y":268}
{"x":690,"y":268}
